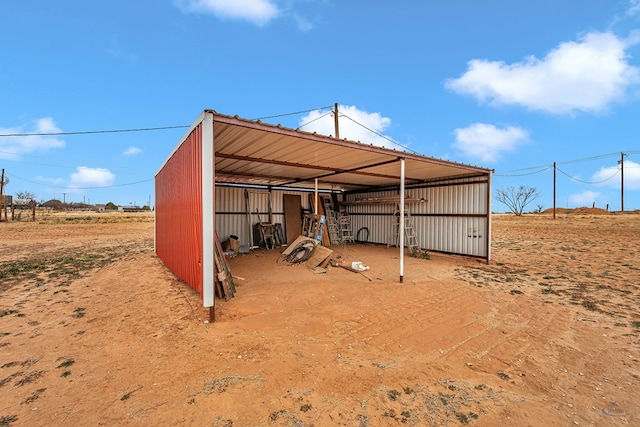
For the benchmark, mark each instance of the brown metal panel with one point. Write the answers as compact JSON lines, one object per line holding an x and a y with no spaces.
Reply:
{"x":293,"y":216}
{"x":178,"y":195}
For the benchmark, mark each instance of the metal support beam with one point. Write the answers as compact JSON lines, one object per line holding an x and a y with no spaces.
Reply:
{"x":208,"y":212}
{"x":401,"y":225}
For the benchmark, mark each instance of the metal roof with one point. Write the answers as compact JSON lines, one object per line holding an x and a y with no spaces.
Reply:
{"x":256,"y":153}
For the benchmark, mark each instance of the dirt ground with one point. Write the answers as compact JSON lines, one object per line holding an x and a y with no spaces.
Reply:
{"x":94,"y":330}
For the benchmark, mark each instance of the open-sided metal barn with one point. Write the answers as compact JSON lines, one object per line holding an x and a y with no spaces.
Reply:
{"x":227,"y":172}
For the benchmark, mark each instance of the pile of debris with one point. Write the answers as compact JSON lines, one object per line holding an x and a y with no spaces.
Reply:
{"x":317,"y":257}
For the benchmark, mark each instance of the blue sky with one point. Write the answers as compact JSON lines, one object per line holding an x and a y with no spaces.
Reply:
{"x":510,"y":86}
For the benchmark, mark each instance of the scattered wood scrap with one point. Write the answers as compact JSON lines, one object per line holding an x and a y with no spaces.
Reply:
{"x":320,"y":257}
{"x":353,"y":270}
{"x":225,"y":287}
{"x":298,"y":241}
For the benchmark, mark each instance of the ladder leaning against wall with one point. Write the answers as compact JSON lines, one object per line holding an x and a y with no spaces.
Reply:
{"x":410,"y":240}
{"x":332,"y":219}
{"x":346,"y":233}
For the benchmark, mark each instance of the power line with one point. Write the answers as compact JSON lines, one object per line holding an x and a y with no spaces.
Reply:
{"x":380,"y":135}
{"x":290,"y":114}
{"x":111,"y":167}
{"x":586,"y":159}
{"x":81,"y":188}
{"x":529,"y":168}
{"x":589,"y":182}
{"x":317,"y":118}
{"x":545,"y":167}
{"x":526,"y":174}
{"x":90,"y":132}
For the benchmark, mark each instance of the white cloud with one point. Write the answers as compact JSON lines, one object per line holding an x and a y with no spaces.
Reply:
{"x":117,"y":51}
{"x":349,"y":129}
{"x":131,"y":151}
{"x":610,"y":176}
{"x":14,"y":147}
{"x":487,"y":142}
{"x":634,"y":8}
{"x":85,"y":177}
{"x":587,"y":75}
{"x":259,"y":12}
{"x":52,"y":181}
{"x":303,"y":23}
{"x":586,"y":198}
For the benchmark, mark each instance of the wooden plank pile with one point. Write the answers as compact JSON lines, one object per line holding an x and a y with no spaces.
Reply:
{"x":225,"y":288}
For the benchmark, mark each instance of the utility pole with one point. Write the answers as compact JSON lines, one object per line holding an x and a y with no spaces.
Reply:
{"x":622,"y":182}
{"x":335,"y":120}
{"x":1,"y":195}
{"x":64,"y":198}
{"x":554,"y":190}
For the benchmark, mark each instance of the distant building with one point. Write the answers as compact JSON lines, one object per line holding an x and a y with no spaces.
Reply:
{"x":130,"y":209}
{"x":22,"y":203}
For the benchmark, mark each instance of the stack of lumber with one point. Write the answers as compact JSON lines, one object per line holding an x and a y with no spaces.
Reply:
{"x":225,"y":288}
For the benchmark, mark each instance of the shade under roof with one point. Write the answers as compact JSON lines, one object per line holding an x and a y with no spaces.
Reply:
{"x":255,"y":153}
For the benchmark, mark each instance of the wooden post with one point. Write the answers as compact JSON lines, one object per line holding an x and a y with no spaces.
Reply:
{"x":315,"y":197}
{"x":33,"y":210}
{"x":554,"y":190}
{"x":621,"y":182}
{"x":335,"y":120}
{"x":1,"y":195}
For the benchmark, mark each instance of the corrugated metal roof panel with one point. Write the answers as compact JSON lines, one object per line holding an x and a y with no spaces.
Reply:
{"x":261,"y":154}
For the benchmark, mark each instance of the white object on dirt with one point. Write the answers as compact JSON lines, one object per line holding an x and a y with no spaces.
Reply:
{"x":357,"y":265}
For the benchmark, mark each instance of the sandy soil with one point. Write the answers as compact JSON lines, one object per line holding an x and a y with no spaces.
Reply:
{"x":94,"y":330}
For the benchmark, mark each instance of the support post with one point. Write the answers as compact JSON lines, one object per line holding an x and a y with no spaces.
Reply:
{"x":208,"y":211}
{"x":315,"y":198}
{"x":401,"y":225}
{"x":489,"y":220}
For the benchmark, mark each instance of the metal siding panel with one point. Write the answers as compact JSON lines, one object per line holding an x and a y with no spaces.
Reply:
{"x":437,"y":226}
{"x":231,"y":215}
{"x":178,"y":190}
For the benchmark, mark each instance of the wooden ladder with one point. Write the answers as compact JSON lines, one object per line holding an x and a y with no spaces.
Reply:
{"x":332,"y":220}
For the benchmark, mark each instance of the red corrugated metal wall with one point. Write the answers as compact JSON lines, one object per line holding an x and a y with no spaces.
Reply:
{"x":179,"y":211}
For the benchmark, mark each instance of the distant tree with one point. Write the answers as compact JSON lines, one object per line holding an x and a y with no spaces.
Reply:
{"x":25,"y":195}
{"x":517,"y":199}
{"x":53,"y":203}
{"x":111,"y":205}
